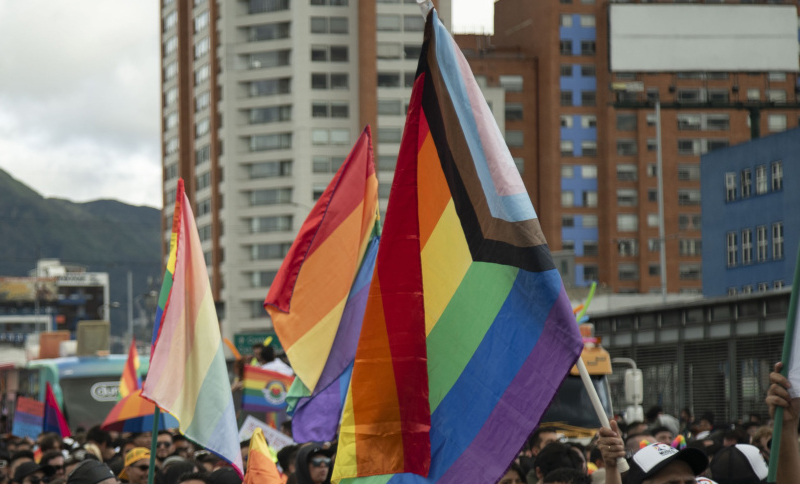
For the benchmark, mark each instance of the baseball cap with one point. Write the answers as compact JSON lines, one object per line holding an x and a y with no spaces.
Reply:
{"x":655,"y":457}
{"x":90,"y":472}
{"x":133,"y":456}
{"x":738,"y":464}
{"x":704,"y":480}
{"x":27,"y":468}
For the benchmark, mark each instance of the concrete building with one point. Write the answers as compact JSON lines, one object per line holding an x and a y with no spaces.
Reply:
{"x":588,"y":144}
{"x":262,"y":100}
{"x":751,"y":223}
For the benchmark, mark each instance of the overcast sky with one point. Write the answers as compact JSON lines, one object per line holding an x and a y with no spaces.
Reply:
{"x":79,"y":95}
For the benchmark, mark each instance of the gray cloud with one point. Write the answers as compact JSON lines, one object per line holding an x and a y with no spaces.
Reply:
{"x":79,"y":97}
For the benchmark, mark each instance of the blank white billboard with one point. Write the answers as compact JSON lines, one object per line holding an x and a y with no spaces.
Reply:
{"x":670,"y":38}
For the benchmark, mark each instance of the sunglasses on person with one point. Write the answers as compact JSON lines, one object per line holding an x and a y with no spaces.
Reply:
{"x":163,"y":444}
{"x":321,"y":461}
{"x":143,"y":467}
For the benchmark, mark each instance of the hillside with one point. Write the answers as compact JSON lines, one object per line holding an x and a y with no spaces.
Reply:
{"x":104,"y":235}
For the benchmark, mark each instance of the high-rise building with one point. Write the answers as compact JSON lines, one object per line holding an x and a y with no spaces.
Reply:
{"x":589,"y":136}
{"x":262,"y":100}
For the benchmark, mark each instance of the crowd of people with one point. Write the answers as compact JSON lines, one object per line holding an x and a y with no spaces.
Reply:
{"x":661,"y":450}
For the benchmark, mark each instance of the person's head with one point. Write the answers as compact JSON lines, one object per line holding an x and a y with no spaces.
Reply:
{"x":661,"y":464}
{"x":24,"y":445}
{"x":76,"y":457}
{"x":286,"y":458}
{"x":137,"y":465}
{"x":286,"y":427}
{"x":735,"y":436}
{"x":267,"y":353}
{"x":194,"y":478}
{"x":514,"y":475}
{"x":663,"y":435}
{"x":755,"y":418}
{"x":141,"y":439}
{"x":224,"y":475}
{"x":102,"y":440}
{"x":706,"y":422}
{"x":49,"y":441}
{"x":4,"y":460}
{"x":596,"y":457}
{"x":54,"y":459}
{"x":174,"y":470}
{"x":31,"y":473}
{"x":208,"y":461}
{"x":635,"y":428}
{"x":313,"y":464}
{"x":653,"y":413}
{"x":17,"y":458}
{"x":555,"y":456}
{"x":567,"y":476}
{"x":164,"y":447}
{"x":244,"y":449}
{"x":738,"y":464}
{"x":540,"y":438}
{"x":182,"y":446}
{"x":257,"y":351}
{"x":686,"y":415}
{"x":635,"y":441}
{"x":91,"y":472}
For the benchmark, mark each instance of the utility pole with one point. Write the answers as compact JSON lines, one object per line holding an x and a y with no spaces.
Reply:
{"x":130,"y":307}
{"x":662,"y":241}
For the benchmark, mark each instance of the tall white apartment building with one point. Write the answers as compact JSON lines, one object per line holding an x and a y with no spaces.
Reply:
{"x":262,"y":100}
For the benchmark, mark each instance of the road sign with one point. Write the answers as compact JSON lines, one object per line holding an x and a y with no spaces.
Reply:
{"x":244,"y":341}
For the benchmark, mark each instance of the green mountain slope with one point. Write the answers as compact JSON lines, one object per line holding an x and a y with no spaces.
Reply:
{"x":104,"y":235}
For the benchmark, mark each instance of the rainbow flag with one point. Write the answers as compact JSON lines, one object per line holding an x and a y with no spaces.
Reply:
{"x":468,"y":331}
{"x":264,"y":390}
{"x":313,"y":307}
{"x":260,"y":467}
{"x":130,"y":380}
{"x":188,"y":376}
{"x":135,"y":414}
{"x":54,"y":420}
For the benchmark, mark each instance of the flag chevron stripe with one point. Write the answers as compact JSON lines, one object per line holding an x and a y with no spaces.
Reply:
{"x":500,"y":242}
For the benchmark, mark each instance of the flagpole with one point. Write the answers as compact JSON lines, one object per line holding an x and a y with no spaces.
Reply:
{"x":151,"y":473}
{"x":788,"y":339}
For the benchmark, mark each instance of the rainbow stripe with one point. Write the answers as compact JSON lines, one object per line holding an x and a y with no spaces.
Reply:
{"x":130,"y":380}
{"x":135,"y":414}
{"x":468,"y":332}
{"x":264,"y":390}
{"x":188,"y":376}
{"x":260,"y":467}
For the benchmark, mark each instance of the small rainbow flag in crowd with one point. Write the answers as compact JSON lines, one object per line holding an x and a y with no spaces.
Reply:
{"x":188,"y":376}
{"x":264,"y":390}
{"x":260,"y":467}
{"x":54,"y":420}
{"x":468,"y":332}
{"x":134,"y":413}
{"x":130,"y":380}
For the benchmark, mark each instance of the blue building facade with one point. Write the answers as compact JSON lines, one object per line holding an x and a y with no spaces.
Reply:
{"x":578,"y":81}
{"x":751,"y":215}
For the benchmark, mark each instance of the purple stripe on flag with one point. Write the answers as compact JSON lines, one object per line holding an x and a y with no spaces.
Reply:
{"x":316,"y":419}
{"x":519,"y":410}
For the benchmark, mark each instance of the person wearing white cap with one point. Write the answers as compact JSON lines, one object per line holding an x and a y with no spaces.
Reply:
{"x":654,"y":464}
{"x":789,"y":450}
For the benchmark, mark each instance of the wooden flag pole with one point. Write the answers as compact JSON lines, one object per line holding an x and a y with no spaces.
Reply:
{"x":786,"y":356}
{"x":151,"y":473}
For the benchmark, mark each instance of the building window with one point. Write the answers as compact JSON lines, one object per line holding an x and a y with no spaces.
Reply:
{"x":588,"y":121}
{"x":777,"y":241}
{"x":390,"y":107}
{"x":567,"y":171}
{"x":389,"y":135}
{"x":203,"y":155}
{"x":274,"y":31}
{"x":589,"y":148}
{"x":689,"y":272}
{"x":413,"y":23}
{"x":566,"y":70}
{"x":272,"y":114}
{"x":730,"y":186}
{"x":628,"y":272}
{"x":689,"y":221}
{"x":652,"y":195}
{"x":267,"y":142}
{"x":513,"y":111}
{"x":261,"y":6}
{"x":279,"y":223}
{"x":567,"y":221}
{"x":589,"y":172}
{"x":761,"y":243}
{"x":753,"y":94}
{"x":590,"y":198}
{"x":388,"y":79}
{"x":690,"y":247}
{"x":733,"y":249}
{"x":627,"y":197}
{"x":262,"y":278}
{"x":763,"y":286}
{"x":590,"y":248}
{"x":688,"y":172}
{"x":747,"y":289}
{"x":565,"y":20}
{"x":269,"y":169}
{"x":776,"y":95}
{"x":626,"y":122}
{"x":718,"y":95}
{"x":201,"y":48}
{"x":171,"y":20}
{"x":567,"y":198}
{"x":732,"y":291}
{"x":388,"y":23}
{"x":776,"y":122}
{"x":690,"y":96}
{"x":688,"y":146}
{"x":567,"y":148}
{"x":412,"y":51}
{"x":588,"y":98}
{"x":590,"y":272}
{"x":652,"y":220}
{"x":626,"y":147}
{"x":588,"y":70}
{"x":689,"y":197}
{"x":761,"y":179}
{"x":654,"y":270}
{"x":627,"y":172}
{"x":566,"y":121}
{"x":628,"y":247}
{"x":511,"y":83}
{"x":717,"y":122}
{"x":201,"y":128}
{"x":627,"y":222}
{"x":588,"y":47}
{"x":269,"y":251}
{"x":777,"y":176}
{"x":514,"y":139}
{"x":747,"y":246}
{"x":747,"y":182}
{"x":171,"y":146}
{"x":689,"y":122}
{"x":566,"y":98}
{"x":389,"y":50}
{"x":568,"y":245}
{"x":587,"y":20}
{"x":270,"y":196}
{"x":778,"y":284}
{"x":273,"y":58}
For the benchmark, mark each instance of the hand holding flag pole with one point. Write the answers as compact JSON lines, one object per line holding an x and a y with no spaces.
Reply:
{"x":622,"y":464}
